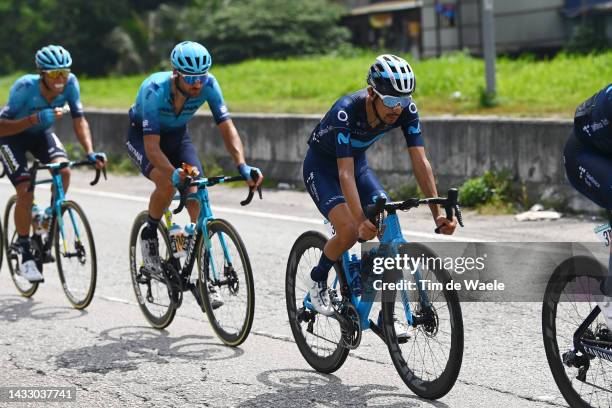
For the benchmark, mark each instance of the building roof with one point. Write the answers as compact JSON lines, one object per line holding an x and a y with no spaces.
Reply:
{"x":385,"y":7}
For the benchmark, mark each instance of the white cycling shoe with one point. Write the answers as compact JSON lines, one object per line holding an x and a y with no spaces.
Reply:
{"x":29,"y":271}
{"x":319,"y":297}
{"x":605,"y":305}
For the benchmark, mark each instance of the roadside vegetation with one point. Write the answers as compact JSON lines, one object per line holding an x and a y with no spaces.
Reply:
{"x":452,"y":84}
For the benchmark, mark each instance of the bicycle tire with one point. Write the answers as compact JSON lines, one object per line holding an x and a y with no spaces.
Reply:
{"x":439,"y":386}
{"x":164,"y":320}
{"x":565,"y":274}
{"x":83,"y":302}
{"x":237,"y":330}
{"x":24,"y":287}
{"x":333,"y":361}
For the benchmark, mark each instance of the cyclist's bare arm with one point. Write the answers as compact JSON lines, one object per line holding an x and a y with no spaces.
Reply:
{"x":424,"y":175}
{"x":81,"y":129}
{"x":9,"y":127}
{"x":233,"y":145}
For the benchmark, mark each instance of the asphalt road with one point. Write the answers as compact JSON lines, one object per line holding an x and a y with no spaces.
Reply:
{"x":113,"y":358}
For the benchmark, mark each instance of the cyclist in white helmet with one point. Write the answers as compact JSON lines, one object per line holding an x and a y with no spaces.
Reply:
{"x":336,"y":171}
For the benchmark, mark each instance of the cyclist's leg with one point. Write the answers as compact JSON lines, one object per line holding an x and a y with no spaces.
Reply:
{"x":368,"y":185}
{"x":590,"y":172}
{"x":160,"y":198}
{"x":323,"y":185}
{"x":16,"y":167}
{"x":187,"y":154}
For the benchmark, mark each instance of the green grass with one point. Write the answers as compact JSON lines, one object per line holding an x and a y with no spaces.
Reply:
{"x":310,"y":85}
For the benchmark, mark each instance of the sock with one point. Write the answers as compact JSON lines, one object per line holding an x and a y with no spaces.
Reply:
{"x":606,"y":285}
{"x":24,"y":243}
{"x":319,"y":273}
{"x":152,"y":223}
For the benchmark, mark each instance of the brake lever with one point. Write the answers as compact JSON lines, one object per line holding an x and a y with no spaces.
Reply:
{"x":247,"y":201}
{"x":451,"y":204}
{"x":182,"y":188}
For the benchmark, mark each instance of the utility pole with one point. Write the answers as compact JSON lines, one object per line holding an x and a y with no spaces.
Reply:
{"x":488,"y":39}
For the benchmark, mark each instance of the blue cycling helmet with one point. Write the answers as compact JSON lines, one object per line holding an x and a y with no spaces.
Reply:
{"x":190,"y":58}
{"x":392,"y":75}
{"x":53,"y":57}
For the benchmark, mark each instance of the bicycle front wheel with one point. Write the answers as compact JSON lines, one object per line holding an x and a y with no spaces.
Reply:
{"x":75,"y":255}
{"x":153,"y":291}
{"x":583,"y":378}
{"x":24,"y":286}
{"x":318,"y":337}
{"x":430,"y":360}
{"x":225,"y":283}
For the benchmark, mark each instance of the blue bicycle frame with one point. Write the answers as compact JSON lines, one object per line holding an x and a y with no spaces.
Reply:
{"x":392,"y":237}
{"x":201,"y":196}
{"x":57,"y":198}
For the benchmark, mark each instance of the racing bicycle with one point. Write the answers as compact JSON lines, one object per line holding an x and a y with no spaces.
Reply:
{"x":429,"y":360}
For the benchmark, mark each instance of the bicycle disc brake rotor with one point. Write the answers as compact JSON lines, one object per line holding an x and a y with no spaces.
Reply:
{"x":350,"y":326}
{"x":431,"y":322}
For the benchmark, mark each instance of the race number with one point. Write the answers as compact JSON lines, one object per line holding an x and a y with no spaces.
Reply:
{"x":603,"y":232}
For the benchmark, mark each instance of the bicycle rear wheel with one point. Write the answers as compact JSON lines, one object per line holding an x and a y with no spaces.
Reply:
{"x":430,"y":361}
{"x":226,"y":270}
{"x":154,"y":292}
{"x":75,"y":255}
{"x":25,"y":287}
{"x":568,"y":300}
{"x":318,"y":337}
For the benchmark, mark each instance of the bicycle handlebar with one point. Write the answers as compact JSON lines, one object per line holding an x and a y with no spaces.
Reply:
{"x":183,"y":188}
{"x":450,"y":204}
{"x":62,"y":165}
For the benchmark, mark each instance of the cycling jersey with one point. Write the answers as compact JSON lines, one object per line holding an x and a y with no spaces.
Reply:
{"x":344,"y":131}
{"x":154,"y":109}
{"x":593,"y":121}
{"x":25,"y":99}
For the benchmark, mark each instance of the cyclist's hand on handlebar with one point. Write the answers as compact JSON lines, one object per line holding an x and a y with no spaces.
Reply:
{"x":446,"y":227}
{"x":98,"y":158}
{"x":245,"y":171}
{"x":367,"y":230}
{"x":178,"y":175}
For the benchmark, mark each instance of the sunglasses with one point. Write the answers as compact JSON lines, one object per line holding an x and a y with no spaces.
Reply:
{"x":55,"y":73}
{"x":393,"y":101}
{"x":192,"y":79}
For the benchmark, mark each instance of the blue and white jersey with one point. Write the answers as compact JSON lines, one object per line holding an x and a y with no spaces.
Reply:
{"x":593,"y":120}
{"x":344,"y":130}
{"x":154,"y":109}
{"x":25,"y":99}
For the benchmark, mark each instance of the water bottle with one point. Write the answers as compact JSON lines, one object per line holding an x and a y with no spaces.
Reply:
{"x":354,"y":269}
{"x":37,"y":215}
{"x":189,"y":233}
{"x":46,"y":220}
{"x":177,"y":240}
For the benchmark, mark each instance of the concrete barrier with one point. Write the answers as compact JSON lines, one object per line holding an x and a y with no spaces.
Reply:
{"x":458,"y":148}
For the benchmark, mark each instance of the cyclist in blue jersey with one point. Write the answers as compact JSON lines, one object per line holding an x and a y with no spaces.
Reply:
{"x":588,"y":165}
{"x":26,"y":124}
{"x":158,"y":140}
{"x":336,"y":171}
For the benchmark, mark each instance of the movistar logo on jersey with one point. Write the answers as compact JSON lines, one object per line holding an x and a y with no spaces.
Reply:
{"x":343,"y":139}
{"x":414,"y":130}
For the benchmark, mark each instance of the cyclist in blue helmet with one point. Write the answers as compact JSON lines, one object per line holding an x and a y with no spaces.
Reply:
{"x":158,"y":139}
{"x":26,"y":124}
{"x":336,"y":171}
